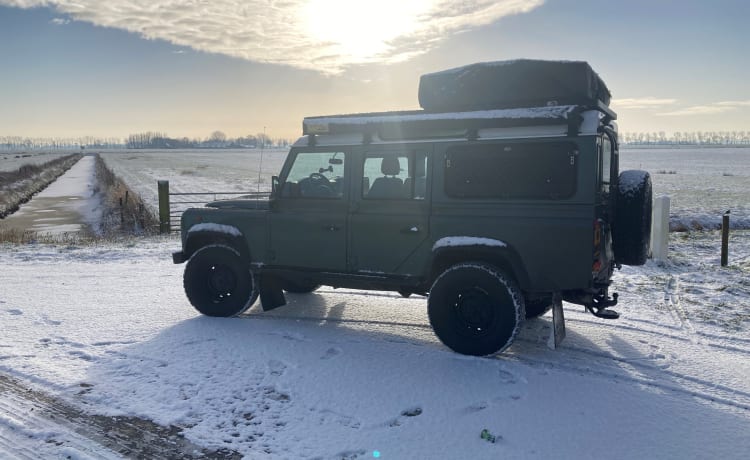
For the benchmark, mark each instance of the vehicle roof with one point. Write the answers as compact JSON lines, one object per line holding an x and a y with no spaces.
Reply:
{"x":421,"y":126}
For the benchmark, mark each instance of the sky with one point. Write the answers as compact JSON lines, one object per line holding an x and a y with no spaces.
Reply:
{"x":187,"y":68}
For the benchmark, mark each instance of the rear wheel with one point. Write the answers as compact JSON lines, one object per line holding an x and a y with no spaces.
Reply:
{"x":218,"y":281}
{"x":475,"y":309}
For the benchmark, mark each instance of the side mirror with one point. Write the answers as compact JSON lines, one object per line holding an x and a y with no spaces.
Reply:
{"x":274,"y":186}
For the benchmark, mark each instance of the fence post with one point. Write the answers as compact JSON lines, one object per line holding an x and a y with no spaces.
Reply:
{"x":164,"y":225}
{"x":660,"y":229}
{"x":725,"y":239}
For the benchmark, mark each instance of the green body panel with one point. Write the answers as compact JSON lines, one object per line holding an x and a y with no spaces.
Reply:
{"x":548,"y":242}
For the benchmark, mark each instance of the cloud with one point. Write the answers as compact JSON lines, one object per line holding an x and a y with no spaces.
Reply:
{"x":323,"y":35}
{"x":60,"y":21}
{"x":708,"y":109}
{"x":642,"y":103}
{"x":734,"y":104}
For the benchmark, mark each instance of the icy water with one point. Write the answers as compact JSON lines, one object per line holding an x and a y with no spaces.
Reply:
{"x":68,"y":205}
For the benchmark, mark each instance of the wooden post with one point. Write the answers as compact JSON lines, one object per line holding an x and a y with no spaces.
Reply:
{"x":725,"y":239}
{"x":660,"y":229}
{"x":164,"y":225}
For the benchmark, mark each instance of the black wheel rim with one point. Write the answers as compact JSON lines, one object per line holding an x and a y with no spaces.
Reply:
{"x":222,"y":283}
{"x":474,"y":311}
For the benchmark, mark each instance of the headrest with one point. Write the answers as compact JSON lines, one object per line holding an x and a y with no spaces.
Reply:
{"x":390,"y":166}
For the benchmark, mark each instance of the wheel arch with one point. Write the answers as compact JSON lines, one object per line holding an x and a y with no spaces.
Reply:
{"x":198,"y":239}
{"x":504,"y":258}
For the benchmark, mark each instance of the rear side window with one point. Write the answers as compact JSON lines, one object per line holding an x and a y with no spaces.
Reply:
{"x":512,"y":171}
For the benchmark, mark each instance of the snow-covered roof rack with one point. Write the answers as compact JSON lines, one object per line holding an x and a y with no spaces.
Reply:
{"x":425,"y":124}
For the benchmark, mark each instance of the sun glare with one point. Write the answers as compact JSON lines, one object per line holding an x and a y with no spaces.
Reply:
{"x":361,"y":29}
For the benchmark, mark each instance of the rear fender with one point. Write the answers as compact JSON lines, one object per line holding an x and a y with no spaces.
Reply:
{"x":502,"y":257}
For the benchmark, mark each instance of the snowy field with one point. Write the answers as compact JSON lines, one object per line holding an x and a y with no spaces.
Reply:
{"x":12,"y":160}
{"x":348,"y":374}
{"x":702,"y":183}
{"x":195,"y":171}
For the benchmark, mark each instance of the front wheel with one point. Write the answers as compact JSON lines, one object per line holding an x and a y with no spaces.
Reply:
{"x":218,"y":281}
{"x":475,"y":309}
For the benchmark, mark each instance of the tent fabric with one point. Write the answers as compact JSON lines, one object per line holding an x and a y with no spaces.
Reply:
{"x":509,"y":84}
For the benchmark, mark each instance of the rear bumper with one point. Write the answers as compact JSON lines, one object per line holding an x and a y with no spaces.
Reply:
{"x":178,"y":257}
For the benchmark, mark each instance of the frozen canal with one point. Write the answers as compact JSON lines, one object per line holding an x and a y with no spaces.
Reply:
{"x":70,"y":204}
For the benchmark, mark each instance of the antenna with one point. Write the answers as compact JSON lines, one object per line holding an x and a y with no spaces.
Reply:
{"x":260,"y":167}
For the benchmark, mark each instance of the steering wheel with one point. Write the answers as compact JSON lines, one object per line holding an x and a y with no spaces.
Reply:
{"x":320,"y":186}
{"x":318,"y":177}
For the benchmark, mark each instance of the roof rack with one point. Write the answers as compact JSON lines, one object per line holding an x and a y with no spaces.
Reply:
{"x":425,"y":124}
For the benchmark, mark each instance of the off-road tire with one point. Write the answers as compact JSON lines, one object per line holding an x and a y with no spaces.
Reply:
{"x":218,"y":281}
{"x":298,"y":287}
{"x":631,"y":232}
{"x":537,"y":307}
{"x":475,"y":309}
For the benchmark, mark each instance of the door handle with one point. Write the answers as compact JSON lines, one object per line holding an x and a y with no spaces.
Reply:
{"x":332,"y":228}
{"x":412,"y":229}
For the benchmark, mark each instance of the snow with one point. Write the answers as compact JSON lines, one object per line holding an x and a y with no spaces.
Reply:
{"x":65,"y":205}
{"x":451,"y":241}
{"x":218,"y":228}
{"x":509,"y":62}
{"x":702,"y":183}
{"x":195,"y":171}
{"x":341,"y":373}
{"x":630,"y":182}
{"x":552,"y":112}
{"x":12,"y":160}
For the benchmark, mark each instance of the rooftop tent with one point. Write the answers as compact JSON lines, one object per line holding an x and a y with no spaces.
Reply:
{"x":518,"y":83}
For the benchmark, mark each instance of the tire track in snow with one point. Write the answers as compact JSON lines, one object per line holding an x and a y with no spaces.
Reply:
{"x":36,"y":415}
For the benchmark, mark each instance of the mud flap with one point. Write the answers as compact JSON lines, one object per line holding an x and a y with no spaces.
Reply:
{"x":271,"y":292}
{"x":557,"y":334}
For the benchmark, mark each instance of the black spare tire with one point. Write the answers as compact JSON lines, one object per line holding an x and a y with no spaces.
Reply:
{"x":631,"y":233}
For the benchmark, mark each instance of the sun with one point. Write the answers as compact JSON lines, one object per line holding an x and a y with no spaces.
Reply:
{"x":360,"y":29}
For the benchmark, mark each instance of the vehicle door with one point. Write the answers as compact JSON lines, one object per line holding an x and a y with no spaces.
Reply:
{"x":389,"y":218}
{"x":309,"y":211}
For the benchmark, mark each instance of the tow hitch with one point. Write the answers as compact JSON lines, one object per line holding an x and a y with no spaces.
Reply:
{"x":599,"y":306}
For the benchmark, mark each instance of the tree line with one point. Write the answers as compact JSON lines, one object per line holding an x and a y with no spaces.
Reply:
{"x":686,"y":138}
{"x":217,"y":140}
{"x":146,"y":140}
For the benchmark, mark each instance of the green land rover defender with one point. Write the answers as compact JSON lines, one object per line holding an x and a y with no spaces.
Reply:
{"x":499,"y":200}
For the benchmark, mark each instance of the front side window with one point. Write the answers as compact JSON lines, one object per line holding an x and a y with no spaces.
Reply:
{"x":395,"y":176}
{"x":315,"y":175}
{"x":512,"y":171}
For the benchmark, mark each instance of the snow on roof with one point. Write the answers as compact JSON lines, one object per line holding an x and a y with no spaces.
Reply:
{"x":552,"y":112}
{"x":464,"y":68}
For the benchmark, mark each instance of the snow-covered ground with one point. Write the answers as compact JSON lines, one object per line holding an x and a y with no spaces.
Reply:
{"x":67,"y":205}
{"x":12,"y":160}
{"x":351,"y":374}
{"x":195,"y":171}
{"x":702,"y":182}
